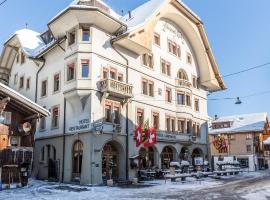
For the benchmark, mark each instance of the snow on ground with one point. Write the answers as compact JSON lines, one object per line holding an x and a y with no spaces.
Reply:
{"x":149,"y":190}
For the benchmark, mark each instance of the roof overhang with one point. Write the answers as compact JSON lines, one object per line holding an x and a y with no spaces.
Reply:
{"x":21,"y":103}
{"x":73,"y":16}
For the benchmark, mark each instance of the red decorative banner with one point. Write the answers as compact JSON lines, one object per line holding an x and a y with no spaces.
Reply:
{"x":151,"y":135}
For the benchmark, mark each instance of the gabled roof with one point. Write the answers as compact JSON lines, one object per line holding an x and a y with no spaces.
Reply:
{"x":242,"y":123}
{"x":22,"y":102}
{"x":30,"y":41}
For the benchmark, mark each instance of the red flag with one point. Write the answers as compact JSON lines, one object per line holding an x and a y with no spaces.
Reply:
{"x":151,"y":137}
{"x":138,"y":136}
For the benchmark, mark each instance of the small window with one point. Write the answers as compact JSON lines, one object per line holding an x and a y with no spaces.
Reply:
{"x":156,"y":120}
{"x":165,"y":67}
{"x":71,"y":37}
{"x":16,"y":79}
{"x":140,"y":117}
{"x":42,"y":123}
{"x":148,"y":88}
{"x":188,"y":100}
{"x":249,"y":136}
{"x":55,"y":117}
{"x":147,"y":60}
{"x":181,"y":126}
{"x":22,"y":58}
{"x":168,"y":95}
{"x":180,"y":98}
{"x":120,"y":77}
{"x":56,"y":82}
{"x":85,"y":35}
{"x":248,"y":147}
{"x":189,"y":58}
{"x":85,"y":68}
{"x":231,"y":137}
{"x":196,"y":105}
{"x":105,"y":73}
{"x":28,"y":83}
{"x":71,"y":72}
{"x":157,"y":39}
{"x":21,"y":82}
{"x":44,"y":88}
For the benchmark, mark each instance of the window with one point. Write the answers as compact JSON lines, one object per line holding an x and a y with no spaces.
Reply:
{"x":43,"y":88}
{"x":180,"y":98}
{"x":70,"y":72}
{"x":77,"y":155}
{"x":85,"y":35}
{"x":42,"y":123}
{"x":112,"y":112}
{"x":196,"y":129}
{"x":85,"y":68}
{"x":140,"y":117}
{"x":157,"y":39}
{"x":120,"y":77}
{"x":196,"y":105}
{"x":188,"y":100}
{"x":42,"y":157}
{"x":15,"y":78}
{"x":181,"y":74}
{"x":28,"y":83}
{"x":56,"y":82}
{"x":156,"y":120}
{"x":148,"y":88}
{"x":194,"y":81}
{"x":174,"y":48}
{"x":105,"y":73}
{"x":181,"y":126}
{"x":170,"y":124}
{"x":248,"y":147}
{"x":189,"y":58}
{"x":249,"y":136}
{"x":22,"y":58}
{"x":71,"y":38}
{"x":189,"y":122}
{"x":113,"y":74}
{"x":168,"y":95}
{"x":21,"y":82}
{"x":165,"y":67}
{"x":147,"y":60}
{"x":18,"y":58}
{"x":55,"y":117}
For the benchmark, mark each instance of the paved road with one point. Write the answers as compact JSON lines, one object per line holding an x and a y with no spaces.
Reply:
{"x":230,"y":189}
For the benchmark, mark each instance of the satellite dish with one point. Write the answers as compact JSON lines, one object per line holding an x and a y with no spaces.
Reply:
{"x":26,"y":127}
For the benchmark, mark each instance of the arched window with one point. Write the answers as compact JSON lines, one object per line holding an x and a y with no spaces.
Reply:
{"x":146,"y":158}
{"x":77,"y":155}
{"x":181,"y":74}
{"x":166,"y":157}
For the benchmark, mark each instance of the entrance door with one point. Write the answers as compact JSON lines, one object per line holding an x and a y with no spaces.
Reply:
{"x":52,"y":169}
{"x":110,"y":162}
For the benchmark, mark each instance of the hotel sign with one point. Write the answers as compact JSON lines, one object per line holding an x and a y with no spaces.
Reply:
{"x":82,"y":125}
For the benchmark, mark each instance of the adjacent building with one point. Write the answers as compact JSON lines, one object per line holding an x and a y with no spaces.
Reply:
{"x":241,"y":138}
{"x":101,"y":75}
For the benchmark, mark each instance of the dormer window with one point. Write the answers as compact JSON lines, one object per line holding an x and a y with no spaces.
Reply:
{"x":71,"y":38}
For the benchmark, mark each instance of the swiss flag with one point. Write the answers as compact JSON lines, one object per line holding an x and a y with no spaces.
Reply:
{"x":138,"y":136}
{"x":151,"y":137}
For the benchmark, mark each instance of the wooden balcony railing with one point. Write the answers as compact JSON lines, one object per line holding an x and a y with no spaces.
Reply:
{"x":182,"y":83}
{"x":116,"y":88}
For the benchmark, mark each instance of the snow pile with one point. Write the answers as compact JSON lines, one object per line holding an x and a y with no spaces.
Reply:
{"x":235,"y":162}
{"x":174,"y":164}
{"x":184,"y":163}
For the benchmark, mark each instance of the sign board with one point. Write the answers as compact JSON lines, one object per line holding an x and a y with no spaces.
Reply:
{"x":198,"y":161}
{"x":81,"y":125}
{"x":164,"y":136}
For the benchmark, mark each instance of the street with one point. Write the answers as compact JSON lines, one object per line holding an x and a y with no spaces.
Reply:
{"x":254,"y":185}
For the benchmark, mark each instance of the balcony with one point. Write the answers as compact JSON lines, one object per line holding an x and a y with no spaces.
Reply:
{"x":116,"y":88}
{"x":182,"y":83}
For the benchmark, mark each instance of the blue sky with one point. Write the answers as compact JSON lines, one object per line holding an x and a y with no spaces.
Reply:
{"x":238,"y":31}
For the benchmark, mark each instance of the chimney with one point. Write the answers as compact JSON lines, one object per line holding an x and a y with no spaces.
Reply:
{"x":129,"y":14}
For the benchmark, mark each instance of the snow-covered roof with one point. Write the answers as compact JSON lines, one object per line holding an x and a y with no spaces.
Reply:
{"x":30,"y":41}
{"x":141,"y":14}
{"x":241,"y":123}
{"x":7,"y":91}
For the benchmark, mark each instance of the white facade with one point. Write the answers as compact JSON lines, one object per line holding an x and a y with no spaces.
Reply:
{"x":82,"y":101}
